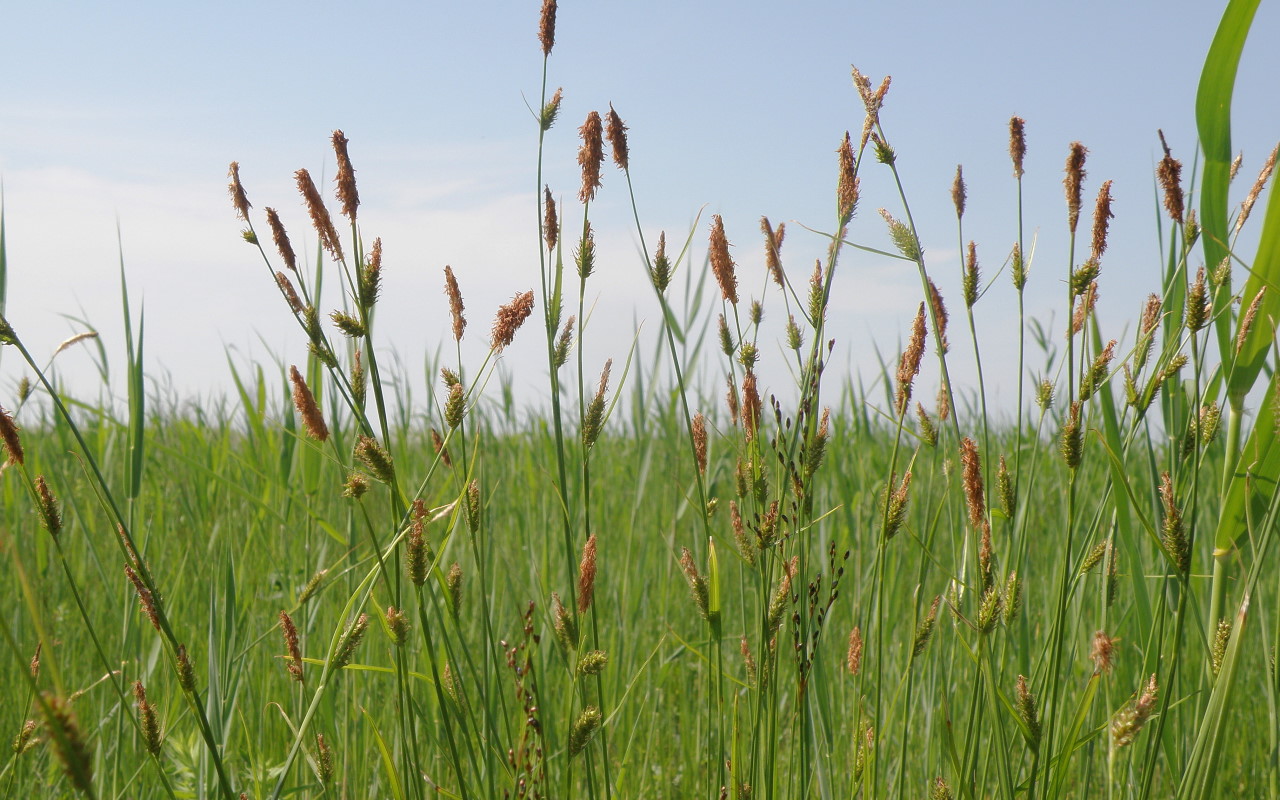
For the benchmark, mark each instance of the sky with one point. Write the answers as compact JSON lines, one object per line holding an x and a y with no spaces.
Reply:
{"x":118,"y":121}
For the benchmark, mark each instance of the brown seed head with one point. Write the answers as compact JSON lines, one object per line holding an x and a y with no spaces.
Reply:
{"x":281,"y":238}
{"x":973,"y":490}
{"x":698,"y":429}
{"x":509,"y":319}
{"x":847,"y":185}
{"x":305,"y":402}
{"x":587,"y":575}
{"x":455,"y":303}
{"x":1198,"y":303}
{"x":68,"y":742}
{"x":146,"y":599}
{"x":238,"y":198}
{"x":9,"y":433}
{"x":853,"y":658}
{"x":1073,"y":182}
{"x":773,"y":250}
{"x":346,"y":178}
{"x":319,"y":214}
{"x":617,"y":133}
{"x":437,"y":444}
{"x":1103,"y":652}
{"x":547,"y":26}
{"x":958,"y":192}
{"x":721,"y":263}
{"x":1247,"y":318}
{"x":290,"y":294}
{"x":324,"y":760}
{"x":349,"y":642}
{"x":550,"y":225}
{"x":1101,"y":217}
{"x":48,"y":506}
{"x":291,"y":646}
{"x":1252,"y":197}
{"x":909,"y":363}
{"x":751,"y":405}
{"x":1017,"y":144}
{"x":591,"y":155}
{"x":1169,"y":173}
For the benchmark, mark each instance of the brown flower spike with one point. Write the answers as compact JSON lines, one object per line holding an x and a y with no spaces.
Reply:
{"x":722,"y":265}
{"x":346,"y":178}
{"x":238,"y":197}
{"x":509,"y":319}
{"x":1073,"y":182}
{"x":455,"y":303}
{"x":305,"y":402}
{"x":617,"y":133}
{"x":591,"y":156}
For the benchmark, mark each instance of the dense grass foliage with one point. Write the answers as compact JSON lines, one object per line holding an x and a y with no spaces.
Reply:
{"x":320,"y":588}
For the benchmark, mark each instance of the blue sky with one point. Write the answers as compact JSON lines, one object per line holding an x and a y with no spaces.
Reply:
{"x":130,"y":112}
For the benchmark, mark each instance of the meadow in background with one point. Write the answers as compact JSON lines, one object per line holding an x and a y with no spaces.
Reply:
{"x":706,"y":568}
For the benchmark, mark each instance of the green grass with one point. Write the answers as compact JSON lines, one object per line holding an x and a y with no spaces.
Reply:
{"x":1077,"y":602}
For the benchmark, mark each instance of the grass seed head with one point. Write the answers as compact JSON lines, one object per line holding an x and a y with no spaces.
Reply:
{"x":7,"y":335}
{"x":25,"y":738}
{"x":1102,"y":652}
{"x":1247,"y":206}
{"x":1005,"y":489}
{"x":1025,"y":704}
{"x":847,"y":185}
{"x":958,"y":194}
{"x":355,"y":487}
{"x":290,"y":294}
{"x":324,"y":761}
{"x":418,"y":555}
{"x":455,"y":302}
{"x":186,"y":672}
{"x":722,"y":265}
{"x":1247,"y":318}
{"x":350,"y":325}
{"x":349,"y":642}
{"x":1172,"y":531}
{"x":970,"y":279}
{"x":617,"y":133}
{"x":564,"y":623}
{"x":974,"y":496}
{"x":853,"y":657}
{"x":697,"y":583}
{"x":939,"y":790}
{"x":1169,"y":174}
{"x":1072,"y":444}
{"x":1011,"y":604}
{"x":9,"y":433}
{"x":1221,"y":638}
{"x":928,"y":433}
{"x":398,"y":624}
{"x":291,"y":646}
{"x":376,"y":459}
{"x":1017,"y":144}
{"x":902,"y":236}
{"x":146,"y":598}
{"x":1018,"y":268}
{"x":509,"y":319}
{"x":1074,"y":182}
{"x":319,"y":213}
{"x":751,"y":405}
{"x":592,"y":662}
{"x":1129,"y":720}
{"x":550,"y":224}
{"x":453,"y":582}
{"x":909,"y":362}
{"x":1102,"y":216}
{"x":151,"y":736}
{"x":547,"y":26}
{"x":1199,"y":304}
{"x":47,"y":505}
{"x":584,"y":256}
{"x":939,"y":313}
{"x":281,"y":239}
{"x":587,"y":575}
{"x":591,"y":155}
{"x":773,"y":250}
{"x":660,"y":274}
{"x":586,"y":725}
{"x":698,"y":430}
{"x":896,"y":502}
{"x":924,"y":630}
{"x":346,"y":177}
{"x":305,"y":402}
{"x":551,"y":110}
{"x":239,"y":200}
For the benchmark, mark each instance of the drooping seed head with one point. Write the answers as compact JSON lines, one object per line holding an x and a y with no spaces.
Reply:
{"x":146,"y":598}
{"x":773,"y":250}
{"x":319,"y":213}
{"x":239,"y":200}
{"x":281,"y":239}
{"x":305,"y":402}
{"x":346,"y":177}
{"x":9,"y":434}
{"x":509,"y":319}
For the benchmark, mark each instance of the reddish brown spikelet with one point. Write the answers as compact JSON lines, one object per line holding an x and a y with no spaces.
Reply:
{"x":509,"y":319}
{"x":547,"y":26}
{"x":1102,"y":652}
{"x":591,"y":155}
{"x":145,"y":598}
{"x":319,"y":214}
{"x":437,"y":443}
{"x":238,"y":198}
{"x":291,"y":646}
{"x":847,"y":185}
{"x":48,"y":507}
{"x":290,"y":294}
{"x":699,"y":430}
{"x":1169,"y":173}
{"x":853,"y":659}
{"x":305,"y":402}
{"x":721,"y":263}
{"x":617,"y":133}
{"x":147,"y":720}
{"x":773,"y":250}
{"x":1073,"y":182}
{"x":751,"y":405}
{"x":455,"y":303}
{"x":731,"y":400}
{"x":1252,"y":197}
{"x":973,"y":490}
{"x":939,"y":314}
{"x":1101,"y":218}
{"x":346,"y":177}
{"x":9,"y":433}
{"x":1017,"y":144}
{"x":909,"y":363}
{"x":281,"y":238}
{"x":958,"y":194}
{"x":550,"y":225}
{"x":587,"y":575}
{"x":1084,"y":307}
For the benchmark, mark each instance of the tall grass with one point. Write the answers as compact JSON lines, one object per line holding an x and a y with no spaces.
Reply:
{"x":318,"y":589}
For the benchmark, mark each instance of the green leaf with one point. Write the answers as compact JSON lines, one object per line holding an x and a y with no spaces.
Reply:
{"x":1253,"y":482}
{"x":1264,"y":275}
{"x":1213,"y":121}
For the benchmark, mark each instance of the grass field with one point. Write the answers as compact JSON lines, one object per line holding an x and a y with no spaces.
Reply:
{"x":664,"y":584}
